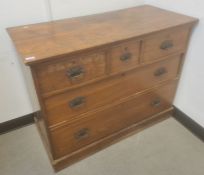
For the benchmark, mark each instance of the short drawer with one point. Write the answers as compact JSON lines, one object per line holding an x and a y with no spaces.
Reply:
{"x":124,"y":56}
{"x":103,"y":123}
{"x":70,"y":72}
{"x":165,"y":43}
{"x":69,"y":105}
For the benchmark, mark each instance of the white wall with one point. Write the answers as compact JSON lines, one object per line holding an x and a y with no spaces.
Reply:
{"x":17,"y":96}
{"x":14,"y":98}
{"x":190,"y":95}
{"x":73,"y":8}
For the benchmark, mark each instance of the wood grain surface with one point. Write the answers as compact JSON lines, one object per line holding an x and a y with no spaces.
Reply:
{"x":100,"y":77}
{"x":100,"y":124}
{"x":109,"y":90}
{"x":42,"y":41}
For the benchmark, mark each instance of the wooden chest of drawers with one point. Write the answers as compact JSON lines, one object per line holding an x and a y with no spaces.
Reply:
{"x":102,"y":77}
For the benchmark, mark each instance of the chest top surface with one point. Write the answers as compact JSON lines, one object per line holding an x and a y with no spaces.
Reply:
{"x":38,"y":42}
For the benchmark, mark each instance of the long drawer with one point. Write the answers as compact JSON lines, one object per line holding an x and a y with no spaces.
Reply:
{"x":69,"y":105}
{"x":103,"y":123}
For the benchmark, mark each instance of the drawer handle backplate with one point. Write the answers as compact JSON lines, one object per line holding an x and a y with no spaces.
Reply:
{"x":156,"y":103}
{"x":160,"y":71}
{"x":77,"y":102}
{"x":166,"y":45}
{"x":82,"y":134}
{"x":126,"y":56}
{"x":75,"y":73}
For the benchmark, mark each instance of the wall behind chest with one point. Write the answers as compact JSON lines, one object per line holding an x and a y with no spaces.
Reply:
{"x":17,"y":95}
{"x":14,"y":97}
{"x":72,"y":8}
{"x":190,"y":94}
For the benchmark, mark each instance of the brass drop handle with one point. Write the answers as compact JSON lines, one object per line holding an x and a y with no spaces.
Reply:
{"x":161,"y":71}
{"x":126,"y":56}
{"x":82,"y":134}
{"x":166,"y":45}
{"x":77,"y":102}
{"x":75,"y":72}
{"x":156,"y":103}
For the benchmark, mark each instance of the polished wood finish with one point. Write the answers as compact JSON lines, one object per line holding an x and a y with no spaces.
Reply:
{"x":102,"y":77}
{"x":43,"y":41}
{"x":109,"y":90}
{"x":69,"y":72}
{"x":109,"y":140}
{"x":124,"y":56}
{"x":97,"y":125}
{"x":164,"y":43}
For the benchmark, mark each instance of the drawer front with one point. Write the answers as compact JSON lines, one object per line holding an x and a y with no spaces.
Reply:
{"x":101,"y":124}
{"x":163,"y":44}
{"x":124,"y":56}
{"x":68,"y":105}
{"x":70,"y":72}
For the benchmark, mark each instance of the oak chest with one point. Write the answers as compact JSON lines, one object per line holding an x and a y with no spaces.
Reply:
{"x":102,"y":77}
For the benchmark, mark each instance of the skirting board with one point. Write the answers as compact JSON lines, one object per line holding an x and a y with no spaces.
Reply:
{"x":189,"y":123}
{"x":16,"y":123}
{"x":180,"y":116}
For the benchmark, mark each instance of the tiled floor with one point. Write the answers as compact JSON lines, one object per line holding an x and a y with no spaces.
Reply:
{"x":164,"y":149}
